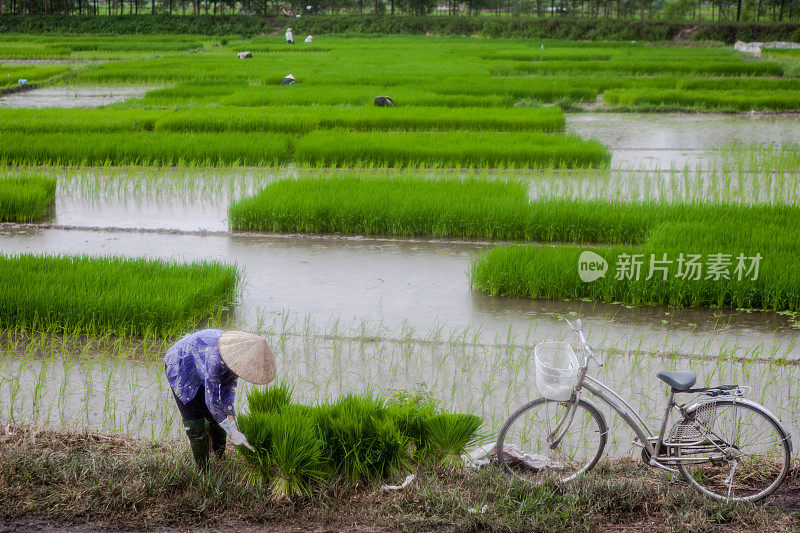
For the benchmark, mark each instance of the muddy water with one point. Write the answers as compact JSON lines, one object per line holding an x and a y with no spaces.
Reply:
{"x":188,"y":211}
{"x":114,"y":394}
{"x":676,"y":140}
{"x":397,"y":286}
{"x":67,"y":97}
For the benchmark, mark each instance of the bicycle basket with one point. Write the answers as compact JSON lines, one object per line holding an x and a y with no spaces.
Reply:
{"x":556,"y":370}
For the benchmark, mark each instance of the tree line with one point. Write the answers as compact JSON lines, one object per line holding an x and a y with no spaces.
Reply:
{"x":676,"y":10}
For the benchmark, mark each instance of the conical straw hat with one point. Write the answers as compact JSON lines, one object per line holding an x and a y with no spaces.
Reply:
{"x":248,"y":356}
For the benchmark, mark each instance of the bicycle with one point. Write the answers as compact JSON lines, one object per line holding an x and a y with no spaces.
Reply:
{"x":724,"y":445}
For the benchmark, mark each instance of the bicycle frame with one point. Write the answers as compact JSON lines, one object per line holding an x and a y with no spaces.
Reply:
{"x":645,"y":437}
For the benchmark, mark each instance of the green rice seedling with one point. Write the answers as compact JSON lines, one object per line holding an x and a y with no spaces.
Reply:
{"x":445,"y":207}
{"x":32,"y":51}
{"x":552,"y":273}
{"x":11,"y":74}
{"x":360,"y":439}
{"x":449,"y":435}
{"x":710,"y":67}
{"x":355,"y":96}
{"x":436,"y":118}
{"x":412,"y":420}
{"x":124,"y":296}
{"x":296,"y":119}
{"x":77,"y":120}
{"x":270,"y":399}
{"x":26,"y":199}
{"x":157,"y":148}
{"x":459,"y":149}
{"x":288,"y":450}
{"x":395,"y":206}
{"x":296,"y":452}
{"x":225,"y":119}
{"x":776,"y":100}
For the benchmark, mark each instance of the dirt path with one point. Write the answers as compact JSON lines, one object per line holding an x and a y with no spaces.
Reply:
{"x":38,"y":526}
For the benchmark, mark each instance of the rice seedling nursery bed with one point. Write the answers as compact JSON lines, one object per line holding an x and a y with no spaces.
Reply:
{"x":102,"y":295}
{"x":26,"y":199}
{"x":480,"y":131}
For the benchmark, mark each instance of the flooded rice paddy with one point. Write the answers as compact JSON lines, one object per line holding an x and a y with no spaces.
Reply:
{"x":119,"y":394}
{"x":347,"y":313}
{"x":675,"y":140}
{"x":72,"y":96}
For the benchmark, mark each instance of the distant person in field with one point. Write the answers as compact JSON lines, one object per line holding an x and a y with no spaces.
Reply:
{"x":308,"y":39}
{"x":289,"y":38}
{"x":202,"y":369}
{"x":288,"y":80}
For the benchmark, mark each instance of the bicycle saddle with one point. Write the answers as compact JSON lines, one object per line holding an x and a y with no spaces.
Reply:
{"x":680,"y":380}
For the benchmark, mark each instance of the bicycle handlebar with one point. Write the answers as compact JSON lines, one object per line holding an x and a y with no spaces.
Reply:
{"x":578,"y":329}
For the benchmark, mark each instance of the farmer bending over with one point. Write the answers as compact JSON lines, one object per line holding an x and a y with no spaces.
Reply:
{"x":202,"y":369}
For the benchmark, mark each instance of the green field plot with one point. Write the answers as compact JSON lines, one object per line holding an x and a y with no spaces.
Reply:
{"x":145,"y":148}
{"x":712,"y":100}
{"x":10,"y":74}
{"x":26,"y":199}
{"x":755,"y":250}
{"x":111,"y":295}
{"x":457,"y":149}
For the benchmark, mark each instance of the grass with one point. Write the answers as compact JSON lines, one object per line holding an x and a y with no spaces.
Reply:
{"x":112,"y":481}
{"x":123,"y":296}
{"x":26,"y":199}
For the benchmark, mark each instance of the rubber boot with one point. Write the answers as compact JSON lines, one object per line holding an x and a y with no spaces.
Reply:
{"x":218,"y":438}
{"x":198,"y":440}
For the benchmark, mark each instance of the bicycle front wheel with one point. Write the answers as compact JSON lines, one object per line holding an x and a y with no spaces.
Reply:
{"x":532,"y":446}
{"x":743,"y":453}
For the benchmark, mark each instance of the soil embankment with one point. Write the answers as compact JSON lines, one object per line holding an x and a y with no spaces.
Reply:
{"x":81,"y":482}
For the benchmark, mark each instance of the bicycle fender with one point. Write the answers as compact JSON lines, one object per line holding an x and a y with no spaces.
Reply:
{"x":750,"y":403}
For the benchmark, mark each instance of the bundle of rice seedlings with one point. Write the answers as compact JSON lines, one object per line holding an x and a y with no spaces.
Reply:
{"x":412,"y":421}
{"x":296,"y":454}
{"x":449,"y":434}
{"x":255,"y":426}
{"x":360,"y":439}
{"x":269,"y":399}
{"x":288,"y":451}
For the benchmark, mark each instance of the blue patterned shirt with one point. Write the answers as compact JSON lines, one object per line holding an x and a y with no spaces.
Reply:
{"x":194,"y":361}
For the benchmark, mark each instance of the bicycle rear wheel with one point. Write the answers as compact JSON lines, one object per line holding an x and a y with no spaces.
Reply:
{"x":747,"y":450}
{"x":523,"y":448}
